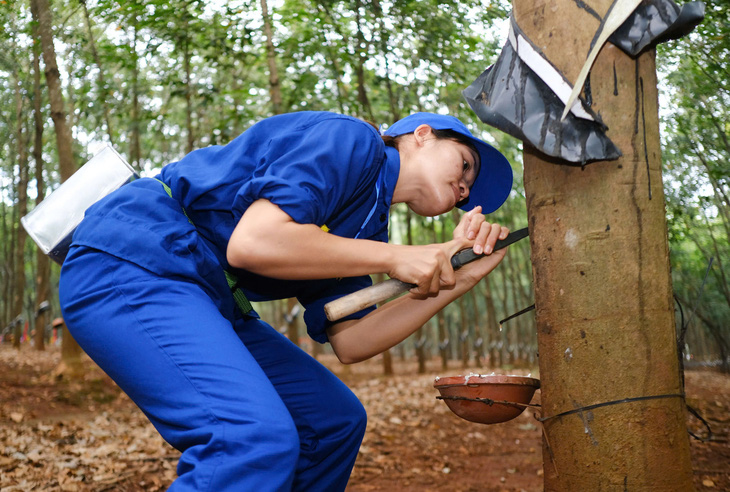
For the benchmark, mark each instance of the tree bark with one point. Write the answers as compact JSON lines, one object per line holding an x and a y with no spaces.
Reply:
{"x":491,"y":330}
{"x":274,"y":84}
{"x":292,"y":320}
{"x":603,"y":293}
{"x":504,"y":334}
{"x":70,"y":350}
{"x":22,"y":210}
{"x":464,"y":350}
{"x":361,"y":52}
{"x":11,"y":258}
{"x":55,"y":92}
{"x":135,"y":149}
{"x":44,"y":263}
{"x":387,"y":355}
{"x":190,"y":145}
{"x":723,"y":345}
{"x":6,"y":265}
{"x":478,"y":339}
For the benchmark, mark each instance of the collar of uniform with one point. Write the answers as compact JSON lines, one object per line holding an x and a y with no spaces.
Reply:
{"x":391,"y":170}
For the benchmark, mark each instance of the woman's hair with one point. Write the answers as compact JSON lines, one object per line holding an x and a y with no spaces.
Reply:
{"x":391,"y":141}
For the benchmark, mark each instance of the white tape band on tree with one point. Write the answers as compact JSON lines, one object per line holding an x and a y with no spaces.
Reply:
{"x":619,"y":11}
{"x":545,"y":70}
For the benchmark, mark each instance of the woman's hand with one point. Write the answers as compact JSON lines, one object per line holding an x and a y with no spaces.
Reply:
{"x":477,"y":232}
{"x":429,"y":267}
{"x":481,"y":236}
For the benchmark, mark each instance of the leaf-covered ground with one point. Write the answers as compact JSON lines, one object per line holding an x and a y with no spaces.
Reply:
{"x":88,"y":436}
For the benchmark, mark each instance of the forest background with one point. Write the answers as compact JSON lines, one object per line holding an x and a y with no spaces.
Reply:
{"x":156,"y":79}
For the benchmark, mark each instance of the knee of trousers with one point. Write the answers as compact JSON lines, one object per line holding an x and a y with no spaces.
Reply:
{"x":250,"y":445}
{"x":346,"y":425}
{"x":358,"y":420}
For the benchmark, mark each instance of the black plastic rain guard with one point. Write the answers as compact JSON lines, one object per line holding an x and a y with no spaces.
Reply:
{"x":511,"y":97}
{"x":656,"y":21}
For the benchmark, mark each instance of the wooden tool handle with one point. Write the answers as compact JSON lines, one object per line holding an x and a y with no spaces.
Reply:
{"x":369,"y":296}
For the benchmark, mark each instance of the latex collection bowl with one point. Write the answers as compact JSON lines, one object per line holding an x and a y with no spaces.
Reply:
{"x":487,"y":399}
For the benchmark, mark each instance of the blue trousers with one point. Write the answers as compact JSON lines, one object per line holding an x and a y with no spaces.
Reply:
{"x":248,"y":409}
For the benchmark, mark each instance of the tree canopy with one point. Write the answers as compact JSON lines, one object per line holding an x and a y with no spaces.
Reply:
{"x":158,"y":78}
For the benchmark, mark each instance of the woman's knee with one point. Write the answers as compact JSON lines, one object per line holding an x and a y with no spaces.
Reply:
{"x":359,"y":418}
{"x":253,"y":443}
{"x":351,"y":416}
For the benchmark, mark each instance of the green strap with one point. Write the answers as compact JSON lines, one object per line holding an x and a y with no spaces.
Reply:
{"x":243,"y":304}
{"x":241,"y":301}
{"x":168,"y":190}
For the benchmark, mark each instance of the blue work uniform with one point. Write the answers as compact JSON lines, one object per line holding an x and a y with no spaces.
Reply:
{"x":143,"y":291}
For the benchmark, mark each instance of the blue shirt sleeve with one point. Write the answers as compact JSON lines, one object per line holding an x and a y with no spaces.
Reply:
{"x":312,"y":171}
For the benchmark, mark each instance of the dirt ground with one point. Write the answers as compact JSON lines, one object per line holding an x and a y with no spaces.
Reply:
{"x":88,"y":436}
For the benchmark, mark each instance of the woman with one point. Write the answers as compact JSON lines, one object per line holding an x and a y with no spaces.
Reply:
{"x":297,"y":206}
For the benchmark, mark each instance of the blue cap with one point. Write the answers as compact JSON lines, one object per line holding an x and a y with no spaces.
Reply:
{"x":494,"y":182}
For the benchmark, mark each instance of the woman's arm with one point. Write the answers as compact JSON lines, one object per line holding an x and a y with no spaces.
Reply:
{"x":268,"y":242}
{"x":357,"y":340}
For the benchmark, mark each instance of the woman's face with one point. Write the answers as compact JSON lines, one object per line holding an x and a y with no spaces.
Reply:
{"x":445,"y":170}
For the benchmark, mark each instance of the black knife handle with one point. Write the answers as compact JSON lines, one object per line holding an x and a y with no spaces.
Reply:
{"x":468,"y":255}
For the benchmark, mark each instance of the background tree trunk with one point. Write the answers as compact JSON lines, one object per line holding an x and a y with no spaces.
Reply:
{"x":22,"y":209}
{"x":6,"y":267}
{"x":44,"y":263}
{"x":387,"y":356}
{"x":70,"y":350}
{"x":274,"y":85}
{"x":66,"y":165}
{"x":135,"y":148}
{"x":292,"y":320}
{"x":361,"y":53}
{"x":190,"y":145}
{"x":603,"y":292}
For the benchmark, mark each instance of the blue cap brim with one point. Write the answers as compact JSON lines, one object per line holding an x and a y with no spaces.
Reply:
{"x":494,"y":181}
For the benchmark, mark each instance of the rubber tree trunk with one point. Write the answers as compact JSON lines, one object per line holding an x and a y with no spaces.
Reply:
{"x":22,"y":204}
{"x":70,"y":351}
{"x":603,"y":293}
{"x":274,"y":84}
{"x":366,"y":110}
{"x":292,"y":321}
{"x":135,"y":147}
{"x":42,"y":283}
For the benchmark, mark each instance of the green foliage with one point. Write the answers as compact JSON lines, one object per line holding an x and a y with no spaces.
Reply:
{"x":166,"y":72}
{"x":696,"y":146}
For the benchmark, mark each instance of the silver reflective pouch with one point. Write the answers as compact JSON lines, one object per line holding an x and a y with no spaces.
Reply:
{"x":52,"y":223}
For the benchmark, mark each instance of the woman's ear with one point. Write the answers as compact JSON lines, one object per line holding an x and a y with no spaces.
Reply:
{"x":422,"y":133}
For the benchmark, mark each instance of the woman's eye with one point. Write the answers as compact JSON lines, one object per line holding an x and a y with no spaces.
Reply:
{"x":466,"y":166}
